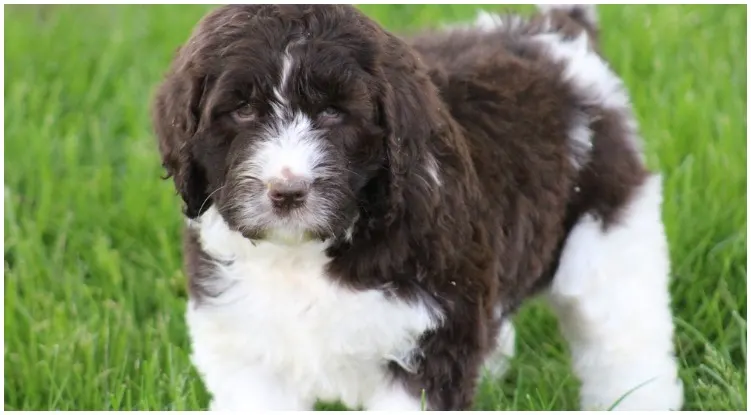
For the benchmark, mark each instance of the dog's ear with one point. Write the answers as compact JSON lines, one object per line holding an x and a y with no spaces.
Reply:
{"x":175,"y":117}
{"x":410,"y":112}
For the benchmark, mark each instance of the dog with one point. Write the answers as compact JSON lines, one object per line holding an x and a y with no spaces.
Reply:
{"x":366,"y":212}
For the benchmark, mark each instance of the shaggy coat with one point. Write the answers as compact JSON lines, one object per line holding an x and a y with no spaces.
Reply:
{"x":444,"y":172}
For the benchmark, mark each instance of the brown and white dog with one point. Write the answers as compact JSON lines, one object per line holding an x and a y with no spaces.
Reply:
{"x":366,"y":212}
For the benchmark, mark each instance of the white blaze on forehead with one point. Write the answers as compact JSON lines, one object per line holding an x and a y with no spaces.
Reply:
{"x":289,"y":144}
{"x":286,"y":67}
{"x":280,"y":90}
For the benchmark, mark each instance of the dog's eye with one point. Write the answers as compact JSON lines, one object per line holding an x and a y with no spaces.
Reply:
{"x":329,"y":116}
{"x":245,"y":113}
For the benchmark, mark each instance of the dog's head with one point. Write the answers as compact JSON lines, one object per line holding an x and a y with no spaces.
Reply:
{"x":296,"y":120}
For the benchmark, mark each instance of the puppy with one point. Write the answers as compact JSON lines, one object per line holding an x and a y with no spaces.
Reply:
{"x":366,"y":212}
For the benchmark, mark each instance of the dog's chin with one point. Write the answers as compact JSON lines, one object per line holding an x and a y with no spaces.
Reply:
{"x":293,"y":228}
{"x":285,"y":234}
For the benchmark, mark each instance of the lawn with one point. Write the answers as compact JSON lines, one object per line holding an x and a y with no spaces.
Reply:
{"x":94,"y":291}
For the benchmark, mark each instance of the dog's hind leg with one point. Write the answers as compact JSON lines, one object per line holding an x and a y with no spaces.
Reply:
{"x":612,"y":300}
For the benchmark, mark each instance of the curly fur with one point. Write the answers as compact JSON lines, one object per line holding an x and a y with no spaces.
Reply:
{"x":445,"y":187}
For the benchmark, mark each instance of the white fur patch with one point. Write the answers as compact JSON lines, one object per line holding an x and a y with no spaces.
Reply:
{"x":595,"y":82}
{"x":589,"y":75}
{"x":287,"y":62}
{"x":392,"y":397}
{"x":433,"y":170}
{"x":287,"y":147}
{"x":487,"y":22}
{"x":611,"y":296}
{"x":586,"y":70}
{"x":282,"y":334}
{"x":499,"y":361}
{"x":580,"y":141}
{"x":288,"y":144}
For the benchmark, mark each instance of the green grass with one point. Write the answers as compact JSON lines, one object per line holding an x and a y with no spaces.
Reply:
{"x":94,"y":292}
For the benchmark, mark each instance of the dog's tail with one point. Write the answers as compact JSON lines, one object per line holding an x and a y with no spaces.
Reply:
{"x":585,"y":15}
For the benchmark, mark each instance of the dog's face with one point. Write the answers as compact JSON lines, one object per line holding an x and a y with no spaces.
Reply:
{"x":280,"y":116}
{"x":298,"y":125}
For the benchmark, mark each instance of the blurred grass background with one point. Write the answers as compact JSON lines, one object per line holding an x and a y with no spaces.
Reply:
{"x":94,"y":292}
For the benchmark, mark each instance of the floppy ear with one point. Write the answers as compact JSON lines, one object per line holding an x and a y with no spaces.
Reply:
{"x":410,"y":111}
{"x":175,"y":116}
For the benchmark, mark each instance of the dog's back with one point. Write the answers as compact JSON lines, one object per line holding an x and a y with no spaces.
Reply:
{"x":557,"y":149}
{"x":549,"y":124}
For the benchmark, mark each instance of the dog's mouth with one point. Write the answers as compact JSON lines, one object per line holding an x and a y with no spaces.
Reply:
{"x":286,"y":230}
{"x":283,"y":235}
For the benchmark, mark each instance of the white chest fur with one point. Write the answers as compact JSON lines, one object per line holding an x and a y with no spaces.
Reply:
{"x":281,"y":321}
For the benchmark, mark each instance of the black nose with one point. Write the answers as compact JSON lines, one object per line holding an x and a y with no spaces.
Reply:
{"x":288,"y":194}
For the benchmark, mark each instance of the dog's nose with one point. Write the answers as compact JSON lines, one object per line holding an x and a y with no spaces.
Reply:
{"x":287,"y":194}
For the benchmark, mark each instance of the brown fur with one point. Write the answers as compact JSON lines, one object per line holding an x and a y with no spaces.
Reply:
{"x":489,"y":107}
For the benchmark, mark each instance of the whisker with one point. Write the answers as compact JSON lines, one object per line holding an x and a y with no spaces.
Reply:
{"x":352,"y":171}
{"x":209,"y":197}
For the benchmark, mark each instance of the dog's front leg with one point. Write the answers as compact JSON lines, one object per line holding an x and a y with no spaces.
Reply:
{"x":248,"y":388}
{"x":448,"y":373}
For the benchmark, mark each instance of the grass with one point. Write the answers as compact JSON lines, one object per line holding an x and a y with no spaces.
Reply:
{"x":94,"y":292}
